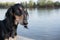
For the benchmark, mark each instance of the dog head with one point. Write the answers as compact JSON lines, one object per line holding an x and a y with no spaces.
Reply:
{"x":18,"y":14}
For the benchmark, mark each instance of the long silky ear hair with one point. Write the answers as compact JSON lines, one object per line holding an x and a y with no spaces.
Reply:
{"x":9,"y":18}
{"x":9,"y":13}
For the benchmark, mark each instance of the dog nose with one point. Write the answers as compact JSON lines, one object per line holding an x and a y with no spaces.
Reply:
{"x":25,"y":23}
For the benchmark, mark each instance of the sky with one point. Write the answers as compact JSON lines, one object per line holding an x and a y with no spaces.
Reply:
{"x":18,"y":1}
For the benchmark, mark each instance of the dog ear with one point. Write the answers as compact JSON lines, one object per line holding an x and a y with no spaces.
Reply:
{"x":9,"y":14}
{"x":9,"y":18}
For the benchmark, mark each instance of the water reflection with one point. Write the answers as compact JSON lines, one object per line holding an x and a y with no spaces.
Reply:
{"x":44,"y":24}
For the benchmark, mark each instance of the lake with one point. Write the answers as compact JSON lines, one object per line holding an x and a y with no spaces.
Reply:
{"x":44,"y":24}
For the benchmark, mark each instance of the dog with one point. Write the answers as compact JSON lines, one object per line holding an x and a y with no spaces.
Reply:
{"x":16,"y":14}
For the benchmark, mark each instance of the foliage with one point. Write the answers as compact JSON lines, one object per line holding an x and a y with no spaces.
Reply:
{"x":31,"y":4}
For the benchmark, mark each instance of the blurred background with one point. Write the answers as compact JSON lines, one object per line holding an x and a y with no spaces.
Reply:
{"x":31,"y":3}
{"x":44,"y":18}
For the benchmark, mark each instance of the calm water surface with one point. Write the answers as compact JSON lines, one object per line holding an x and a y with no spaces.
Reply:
{"x":44,"y":24}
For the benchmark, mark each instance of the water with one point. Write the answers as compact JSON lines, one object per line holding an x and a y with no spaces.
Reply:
{"x":44,"y":24}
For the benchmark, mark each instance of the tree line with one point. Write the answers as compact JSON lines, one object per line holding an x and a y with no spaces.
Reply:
{"x":31,"y":4}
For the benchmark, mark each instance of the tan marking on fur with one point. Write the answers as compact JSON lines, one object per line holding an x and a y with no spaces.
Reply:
{"x":6,"y":39}
{"x":19,"y":19}
{"x":15,"y":38}
{"x":10,"y":38}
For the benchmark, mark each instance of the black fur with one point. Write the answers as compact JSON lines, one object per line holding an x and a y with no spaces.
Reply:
{"x":7,"y":26}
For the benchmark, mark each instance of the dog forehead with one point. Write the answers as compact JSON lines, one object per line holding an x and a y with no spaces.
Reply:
{"x":19,"y":9}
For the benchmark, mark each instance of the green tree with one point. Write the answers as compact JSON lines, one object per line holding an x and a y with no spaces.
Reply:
{"x":57,"y":4}
{"x":30,"y":3}
{"x":50,"y":3}
{"x":41,"y":2}
{"x":34,"y":5}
